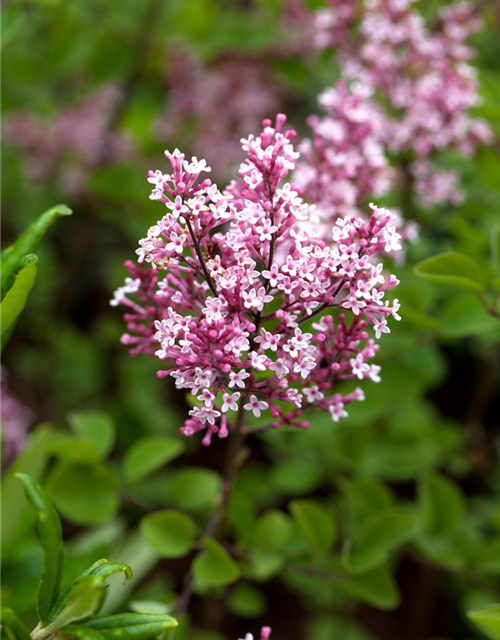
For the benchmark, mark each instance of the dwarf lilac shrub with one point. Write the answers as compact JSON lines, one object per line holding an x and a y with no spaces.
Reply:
{"x":245,"y":271}
{"x":421,"y":75}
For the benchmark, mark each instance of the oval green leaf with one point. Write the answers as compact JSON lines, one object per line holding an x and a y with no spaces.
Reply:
{"x":83,"y":493}
{"x":150,"y":454}
{"x":453,"y":269}
{"x":316,"y":524}
{"x":379,"y":534}
{"x":170,"y":533}
{"x":214,"y":567}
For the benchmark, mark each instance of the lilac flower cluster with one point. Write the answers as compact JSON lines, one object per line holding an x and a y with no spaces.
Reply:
{"x":423,"y":76}
{"x":245,"y":272}
{"x":78,"y":138}
{"x":15,"y":420}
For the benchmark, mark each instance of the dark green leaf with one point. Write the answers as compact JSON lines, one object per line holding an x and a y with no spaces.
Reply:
{"x":50,"y":534}
{"x":376,"y":587}
{"x":169,"y":533}
{"x":453,"y":269}
{"x":273,"y":530}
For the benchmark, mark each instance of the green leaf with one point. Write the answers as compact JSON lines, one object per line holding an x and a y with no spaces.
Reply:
{"x":465,"y":316}
{"x":133,"y":626}
{"x":96,"y":427}
{"x":376,"y":587}
{"x":150,"y":454}
{"x":214,"y":567}
{"x":83,"y":493}
{"x":15,"y":299}
{"x":195,"y":488}
{"x":80,"y":632}
{"x":315,"y":523}
{"x":10,"y":622}
{"x":50,"y":534}
{"x":28,"y":242}
{"x":149,"y":606}
{"x":104,"y":568}
{"x":169,"y":533}
{"x":273,"y":530}
{"x":442,"y":505}
{"x":453,"y":269}
{"x":379,"y":534}
{"x":495,"y":284}
{"x":81,"y":601}
{"x":488,"y":620}
{"x":495,"y":247}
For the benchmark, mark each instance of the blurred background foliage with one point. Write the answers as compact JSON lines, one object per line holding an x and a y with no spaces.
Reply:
{"x":422,"y":451}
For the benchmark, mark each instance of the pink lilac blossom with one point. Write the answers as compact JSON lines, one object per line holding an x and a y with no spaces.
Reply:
{"x":224,"y":101}
{"x":76,"y":139}
{"x":243,"y":316}
{"x":15,"y":420}
{"x":345,"y":162}
{"x":422,"y":75}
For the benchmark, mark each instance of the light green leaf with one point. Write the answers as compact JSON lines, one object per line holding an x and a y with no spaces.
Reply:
{"x":50,"y":534}
{"x":133,"y":626}
{"x":488,"y":620}
{"x":273,"y":530}
{"x":195,"y":488}
{"x":81,"y":601}
{"x":104,"y":568}
{"x":28,"y":242}
{"x":453,"y":269}
{"x":16,"y":297}
{"x":315,"y":523}
{"x":96,"y":427}
{"x":150,"y":454}
{"x":379,"y":534}
{"x":169,"y":533}
{"x":442,"y":505}
{"x":149,"y":606}
{"x":214,"y":567}
{"x":11,"y":623}
{"x":80,"y":632}
{"x":83,"y":493}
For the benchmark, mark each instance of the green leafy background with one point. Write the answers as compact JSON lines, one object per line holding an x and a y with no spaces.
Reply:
{"x":386,"y":525}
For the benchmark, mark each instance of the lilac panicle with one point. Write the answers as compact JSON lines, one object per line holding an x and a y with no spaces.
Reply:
{"x":249,"y":308}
